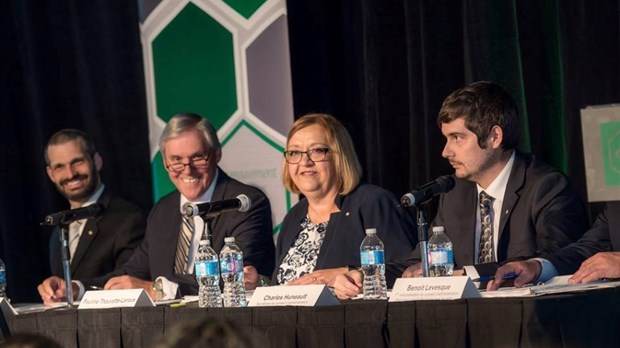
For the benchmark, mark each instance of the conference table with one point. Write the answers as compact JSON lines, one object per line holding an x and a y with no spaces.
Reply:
{"x":583,"y":319}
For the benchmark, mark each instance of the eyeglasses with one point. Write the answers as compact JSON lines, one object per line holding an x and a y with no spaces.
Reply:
{"x":199,"y":162}
{"x":315,"y":155}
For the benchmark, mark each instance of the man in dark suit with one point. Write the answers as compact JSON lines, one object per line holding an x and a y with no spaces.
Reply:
{"x":191,"y":151}
{"x":101,"y":244}
{"x":530,"y":208}
{"x":594,"y":256}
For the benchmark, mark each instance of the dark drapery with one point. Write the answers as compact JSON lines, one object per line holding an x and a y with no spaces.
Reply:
{"x":381,"y":66}
{"x":65,"y":64}
{"x":384,"y":67}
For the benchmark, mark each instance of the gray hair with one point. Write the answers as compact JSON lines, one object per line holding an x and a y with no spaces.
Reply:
{"x":184,"y":122}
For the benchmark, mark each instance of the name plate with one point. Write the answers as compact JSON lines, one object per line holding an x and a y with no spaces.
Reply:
{"x":6,"y":308}
{"x":433,"y":288}
{"x":293,"y":295}
{"x":115,"y":299}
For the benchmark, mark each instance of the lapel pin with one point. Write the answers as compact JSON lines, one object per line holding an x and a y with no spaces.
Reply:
{"x":90,"y":233}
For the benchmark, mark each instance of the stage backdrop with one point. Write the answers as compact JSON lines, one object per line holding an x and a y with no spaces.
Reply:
{"x":229,"y":62}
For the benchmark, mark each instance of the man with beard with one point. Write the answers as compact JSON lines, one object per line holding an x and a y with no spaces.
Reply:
{"x":97,"y":245}
{"x":163,"y":264}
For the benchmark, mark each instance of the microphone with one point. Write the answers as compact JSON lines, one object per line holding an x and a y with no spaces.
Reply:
{"x":68,"y":216}
{"x":241,"y":203}
{"x":423,"y":194}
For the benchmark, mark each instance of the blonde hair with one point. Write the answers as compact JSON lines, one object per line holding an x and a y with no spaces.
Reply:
{"x":347,"y":166}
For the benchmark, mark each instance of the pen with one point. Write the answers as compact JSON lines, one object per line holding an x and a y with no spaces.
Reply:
{"x":484,"y":279}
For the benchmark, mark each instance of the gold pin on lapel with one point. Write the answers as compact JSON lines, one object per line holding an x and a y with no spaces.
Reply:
{"x":90,"y":232}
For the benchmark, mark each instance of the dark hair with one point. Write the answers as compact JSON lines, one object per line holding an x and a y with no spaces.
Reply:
{"x":69,"y":134}
{"x":483,"y":105}
{"x":208,"y":332}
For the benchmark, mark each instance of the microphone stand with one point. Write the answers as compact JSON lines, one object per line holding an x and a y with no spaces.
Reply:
{"x":422,"y":238}
{"x":66,"y":260}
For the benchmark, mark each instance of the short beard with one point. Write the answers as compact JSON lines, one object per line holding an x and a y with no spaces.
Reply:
{"x":88,"y":190}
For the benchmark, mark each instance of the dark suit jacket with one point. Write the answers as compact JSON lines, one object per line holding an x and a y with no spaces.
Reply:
{"x":541,"y":213}
{"x":604,"y":235}
{"x":252,"y":231}
{"x":106,"y":243}
{"x":368,"y":206}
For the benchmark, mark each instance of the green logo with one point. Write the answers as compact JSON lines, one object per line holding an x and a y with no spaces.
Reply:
{"x":610,"y":143}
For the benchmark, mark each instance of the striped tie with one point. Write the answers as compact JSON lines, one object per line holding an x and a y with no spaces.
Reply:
{"x":185,"y":239}
{"x":486,"y":253}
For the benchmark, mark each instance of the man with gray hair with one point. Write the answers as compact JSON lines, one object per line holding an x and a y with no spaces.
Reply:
{"x":161,"y":265}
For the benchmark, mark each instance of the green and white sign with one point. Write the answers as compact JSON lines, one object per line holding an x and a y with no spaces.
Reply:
{"x":601,"y":145}
{"x":227,"y":61}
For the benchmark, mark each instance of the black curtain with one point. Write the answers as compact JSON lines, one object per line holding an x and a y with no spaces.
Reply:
{"x":381,"y":66}
{"x":74,"y":64}
{"x":384,"y":67}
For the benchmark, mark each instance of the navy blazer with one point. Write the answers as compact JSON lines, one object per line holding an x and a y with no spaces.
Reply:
{"x":106,"y":243}
{"x":252,"y":231}
{"x":367,"y":206}
{"x":541,"y":213}
{"x":604,"y":235}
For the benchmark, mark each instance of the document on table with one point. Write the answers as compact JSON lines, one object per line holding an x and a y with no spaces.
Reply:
{"x":556,"y":285}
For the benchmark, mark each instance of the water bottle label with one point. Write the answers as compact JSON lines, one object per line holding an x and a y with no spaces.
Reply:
{"x":3,"y":277}
{"x":372,"y":257}
{"x":233,"y":266}
{"x":206,"y":268}
{"x":440,"y":257}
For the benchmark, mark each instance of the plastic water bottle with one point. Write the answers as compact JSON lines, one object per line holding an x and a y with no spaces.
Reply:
{"x":207,"y":270}
{"x":440,"y":256}
{"x":2,"y":279}
{"x":373,"y":266}
{"x":231,"y":265}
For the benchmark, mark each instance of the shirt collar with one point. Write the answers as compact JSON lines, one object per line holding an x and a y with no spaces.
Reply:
{"x":205,"y":197}
{"x":95,"y":197}
{"x":497,"y":188}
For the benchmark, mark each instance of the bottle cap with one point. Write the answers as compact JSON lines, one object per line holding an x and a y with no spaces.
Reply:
{"x":204,"y":242}
{"x":371,"y":231}
{"x":229,"y":239}
{"x":438,"y":229}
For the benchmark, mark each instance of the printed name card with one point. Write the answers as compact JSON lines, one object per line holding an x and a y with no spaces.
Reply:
{"x":293,"y":295}
{"x":115,"y":299}
{"x":433,"y":288}
{"x":6,"y":308}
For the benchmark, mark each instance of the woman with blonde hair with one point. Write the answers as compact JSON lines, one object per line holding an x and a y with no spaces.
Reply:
{"x":321,"y":235}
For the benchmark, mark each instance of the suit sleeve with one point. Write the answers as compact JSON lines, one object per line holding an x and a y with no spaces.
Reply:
{"x":568,"y":259}
{"x":131,"y":233}
{"x":394,"y":225}
{"x":253,"y":234}
{"x":557,"y":213}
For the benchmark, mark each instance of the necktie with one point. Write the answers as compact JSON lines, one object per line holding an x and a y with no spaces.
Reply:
{"x":486,"y":252}
{"x":74,"y":236}
{"x":185,"y":239}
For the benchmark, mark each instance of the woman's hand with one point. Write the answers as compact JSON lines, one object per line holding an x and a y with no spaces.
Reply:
{"x":322,"y":276}
{"x":251,"y":279}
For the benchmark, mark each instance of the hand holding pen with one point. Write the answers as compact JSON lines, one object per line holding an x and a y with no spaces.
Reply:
{"x":523,"y":272}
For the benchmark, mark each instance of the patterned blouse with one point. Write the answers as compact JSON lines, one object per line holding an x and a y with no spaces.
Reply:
{"x":301,"y":257}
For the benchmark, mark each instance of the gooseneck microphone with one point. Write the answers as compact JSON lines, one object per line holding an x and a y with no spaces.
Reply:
{"x":241,"y":203}
{"x":423,"y":194}
{"x":68,"y":216}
